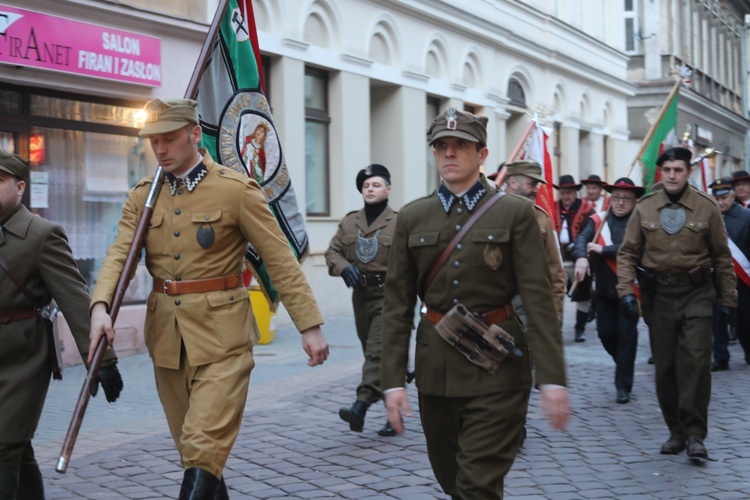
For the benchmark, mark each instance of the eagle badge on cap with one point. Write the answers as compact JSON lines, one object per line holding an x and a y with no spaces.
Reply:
{"x":368,"y":171}
{"x":450,"y":118}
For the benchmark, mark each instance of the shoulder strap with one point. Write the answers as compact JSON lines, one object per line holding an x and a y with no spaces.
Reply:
{"x":18,"y":283}
{"x":446,"y":253}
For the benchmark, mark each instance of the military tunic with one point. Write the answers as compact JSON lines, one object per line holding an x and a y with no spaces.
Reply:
{"x":37,"y":253}
{"x":499,"y":258}
{"x":200,"y":230}
{"x":679,"y":319}
{"x":366,"y":300}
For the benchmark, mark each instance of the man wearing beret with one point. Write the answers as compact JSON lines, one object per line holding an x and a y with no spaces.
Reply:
{"x":737,"y":222}
{"x":595,"y":192}
{"x":200,"y":329}
{"x":471,"y":416}
{"x":359,"y":254}
{"x":617,"y":330}
{"x":36,"y":266}
{"x":677,"y":236}
{"x":572,"y":216}
{"x":741,"y":185}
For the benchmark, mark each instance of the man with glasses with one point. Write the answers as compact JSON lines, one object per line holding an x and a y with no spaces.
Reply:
{"x":617,"y":331}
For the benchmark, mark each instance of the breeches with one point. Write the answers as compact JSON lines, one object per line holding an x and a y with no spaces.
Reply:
{"x":368,"y":318}
{"x":204,"y":406}
{"x":473,"y":441}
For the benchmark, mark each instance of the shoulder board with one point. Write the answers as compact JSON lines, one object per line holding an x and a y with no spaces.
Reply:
{"x":350,"y":213}
{"x":705,"y":195}
{"x":541,"y":209}
{"x":419,"y":200}
{"x":144,"y":181}
{"x":646,"y":196}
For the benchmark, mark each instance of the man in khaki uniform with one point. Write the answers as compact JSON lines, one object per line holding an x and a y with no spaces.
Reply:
{"x":36,"y":266}
{"x":359,"y":254}
{"x":471,"y":418}
{"x":522,"y":179}
{"x":677,"y":235}
{"x":200,"y":329}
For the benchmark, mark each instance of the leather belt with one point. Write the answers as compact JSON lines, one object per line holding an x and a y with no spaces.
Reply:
{"x":17,"y":315}
{"x":375,"y":279}
{"x":171,"y":287}
{"x":490,"y":318}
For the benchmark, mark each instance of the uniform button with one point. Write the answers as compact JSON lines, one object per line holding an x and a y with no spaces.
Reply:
{"x":652,"y":225}
{"x":221,"y":172}
{"x":176,"y":256}
{"x":177,"y":211}
{"x":205,"y":217}
{"x":150,"y":223}
{"x":231,"y":297}
{"x":458,"y":227}
{"x":459,"y":210}
{"x":455,"y":283}
{"x":177,"y":302}
{"x":456,"y":263}
{"x":490,"y":237}
{"x":458,"y":246}
{"x":421,"y":240}
{"x":178,"y":278}
{"x":455,"y":301}
{"x":180,"y":191}
{"x":176,"y":233}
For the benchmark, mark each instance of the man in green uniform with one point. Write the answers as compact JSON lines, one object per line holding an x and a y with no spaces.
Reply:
{"x":677,"y":235}
{"x":359,"y":254}
{"x":200,"y":329}
{"x":471,"y":418}
{"x":36,"y":266}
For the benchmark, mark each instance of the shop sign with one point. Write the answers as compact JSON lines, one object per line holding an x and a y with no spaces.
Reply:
{"x":54,"y":43}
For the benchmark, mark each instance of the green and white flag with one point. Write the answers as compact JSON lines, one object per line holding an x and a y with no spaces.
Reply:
{"x":238,"y":130}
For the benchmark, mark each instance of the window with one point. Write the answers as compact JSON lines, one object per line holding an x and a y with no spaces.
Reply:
{"x":85,"y":155}
{"x":317,"y":120}
{"x":516,"y":94}
{"x":631,"y":26}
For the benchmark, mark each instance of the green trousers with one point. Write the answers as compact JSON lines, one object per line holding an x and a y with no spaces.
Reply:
{"x":368,"y":319}
{"x":680,"y":332}
{"x":473,"y":441}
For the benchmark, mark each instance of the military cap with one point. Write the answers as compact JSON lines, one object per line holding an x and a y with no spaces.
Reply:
{"x":163,"y":116}
{"x":14,"y":165}
{"x":672,"y":154}
{"x":740,"y":175}
{"x":529,"y":168}
{"x":374,"y":170}
{"x":721,"y":186}
{"x":593,"y":179}
{"x":461,"y":124}
{"x":567,"y":182}
{"x":625,"y":183}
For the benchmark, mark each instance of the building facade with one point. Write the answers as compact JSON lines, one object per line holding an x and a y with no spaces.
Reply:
{"x":707,"y":37}
{"x":350,"y":82}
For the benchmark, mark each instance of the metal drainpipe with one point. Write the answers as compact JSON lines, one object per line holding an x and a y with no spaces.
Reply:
{"x":745,"y":82}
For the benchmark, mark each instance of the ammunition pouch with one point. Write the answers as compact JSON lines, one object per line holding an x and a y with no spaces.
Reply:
{"x":483,"y":345}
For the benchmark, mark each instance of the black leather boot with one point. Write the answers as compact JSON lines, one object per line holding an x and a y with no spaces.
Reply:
{"x":581,"y":318}
{"x":8,"y":482}
{"x":222,"y":494}
{"x":355,"y":415}
{"x":199,"y":484}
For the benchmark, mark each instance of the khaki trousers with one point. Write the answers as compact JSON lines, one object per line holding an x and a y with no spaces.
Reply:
{"x":204,"y":406}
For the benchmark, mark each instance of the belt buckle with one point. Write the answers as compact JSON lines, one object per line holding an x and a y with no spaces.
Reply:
{"x":166,"y":285}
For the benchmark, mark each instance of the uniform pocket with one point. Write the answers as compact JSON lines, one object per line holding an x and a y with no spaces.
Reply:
{"x":155,"y":235}
{"x":417,"y":240}
{"x":231,"y":314}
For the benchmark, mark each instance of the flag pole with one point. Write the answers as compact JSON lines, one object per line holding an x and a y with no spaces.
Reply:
{"x":503,"y":171}
{"x":131,"y":262}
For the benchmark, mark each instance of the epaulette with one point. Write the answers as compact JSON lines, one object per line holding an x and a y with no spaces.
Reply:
{"x":144,"y":181}
{"x":645,"y":196}
{"x":705,"y":195}
{"x":541,"y":209}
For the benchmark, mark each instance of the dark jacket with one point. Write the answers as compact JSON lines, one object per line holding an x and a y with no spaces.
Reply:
{"x":606,"y":278}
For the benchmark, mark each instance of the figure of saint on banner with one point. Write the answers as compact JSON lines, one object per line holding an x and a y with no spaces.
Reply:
{"x":260,"y":149}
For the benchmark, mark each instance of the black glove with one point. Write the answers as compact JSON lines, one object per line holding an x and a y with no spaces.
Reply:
{"x":726,"y":315}
{"x":629,"y":306}
{"x":351,"y":275}
{"x":109,"y":377}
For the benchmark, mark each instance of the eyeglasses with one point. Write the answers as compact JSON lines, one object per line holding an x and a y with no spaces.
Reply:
{"x":624,"y":199}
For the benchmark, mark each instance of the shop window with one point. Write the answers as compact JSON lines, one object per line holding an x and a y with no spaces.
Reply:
{"x":317,"y":120}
